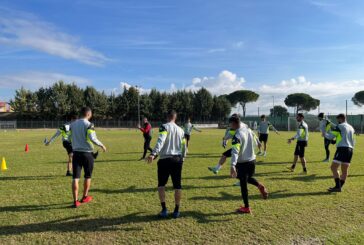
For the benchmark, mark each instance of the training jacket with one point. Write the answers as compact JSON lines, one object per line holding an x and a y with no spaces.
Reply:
{"x":264,"y":127}
{"x":244,"y":142}
{"x":64,"y":131}
{"x":147,"y":130}
{"x":325,"y":127}
{"x":171,"y":141}
{"x":188,"y":128}
{"x":345,"y":135}
{"x":302,"y":132}
{"x":83,"y":136}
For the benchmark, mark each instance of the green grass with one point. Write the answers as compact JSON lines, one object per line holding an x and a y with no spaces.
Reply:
{"x":35,"y":196}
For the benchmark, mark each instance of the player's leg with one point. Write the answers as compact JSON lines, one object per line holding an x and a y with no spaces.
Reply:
{"x":148,"y":144}
{"x":295,"y":158}
{"x":265,"y":146}
{"x":243,"y":177}
{"x":253,"y":181}
{"x":145,"y":148}
{"x":327,"y":149}
{"x":88,"y":169}
{"x":176,"y":176}
{"x":221,"y":162}
{"x":344,"y":173}
{"x":163,"y":175}
{"x":335,"y":173}
{"x":76,"y":168}
{"x":69,"y":164}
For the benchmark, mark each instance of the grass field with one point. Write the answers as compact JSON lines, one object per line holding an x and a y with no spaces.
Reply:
{"x":35,"y":196}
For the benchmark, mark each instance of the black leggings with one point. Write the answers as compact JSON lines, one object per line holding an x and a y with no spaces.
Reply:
{"x":147,"y":141}
{"x":245,"y":175}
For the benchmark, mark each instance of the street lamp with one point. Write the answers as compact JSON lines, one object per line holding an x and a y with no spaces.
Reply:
{"x":138,"y":104}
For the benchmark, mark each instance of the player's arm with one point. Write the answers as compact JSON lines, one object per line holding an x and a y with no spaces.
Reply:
{"x":297,"y":135}
{"x":54,"y":137}
{"x":334,"y":132}
{"x":273,"y":128}
{"x":235,"y":150}
{"x":196,"y":129}
{"x":93,"y":137}
{"x":160,"y":143}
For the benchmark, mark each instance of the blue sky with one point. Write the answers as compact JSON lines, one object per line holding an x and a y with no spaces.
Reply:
{"x":271,"y":46}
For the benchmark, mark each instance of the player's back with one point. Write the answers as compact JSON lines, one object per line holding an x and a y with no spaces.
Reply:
{"x":174,"y":138}
{"x":79,"y":136}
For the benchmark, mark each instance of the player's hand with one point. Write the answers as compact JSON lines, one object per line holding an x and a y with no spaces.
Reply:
{"x":289,"y":141}
{"x":138,"y":126}
{"x":277,"y":132}
{"x":233,"y":172}
{"x":103,"y":148}
{"x":150,"y":159}
{"x":46,"y":144}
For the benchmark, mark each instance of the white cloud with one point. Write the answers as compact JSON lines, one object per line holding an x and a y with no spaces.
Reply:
{"x":225,"y":82}
{"x":34,"y":80}
{"x":24,"y":30}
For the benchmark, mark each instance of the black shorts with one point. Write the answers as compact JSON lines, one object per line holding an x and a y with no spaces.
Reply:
{"x":263,"y":138}
{"x":245,"y":170}
{"x":343,"y":155}
{"x":170,"y":167}
{"x":187,"y":137}
{"x":83,"y":160}
{"x":300,"y":148}
{"x":227,"y":153}
{"x":68,"y":146}
{"x":327,"y":142}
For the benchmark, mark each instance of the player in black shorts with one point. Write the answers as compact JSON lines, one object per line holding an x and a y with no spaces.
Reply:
{"x":65,"y":132}
{"x":345,"y":141}
{"x":302,"y":139}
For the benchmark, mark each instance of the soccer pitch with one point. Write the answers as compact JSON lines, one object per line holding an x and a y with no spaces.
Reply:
{"x":36,"y":196}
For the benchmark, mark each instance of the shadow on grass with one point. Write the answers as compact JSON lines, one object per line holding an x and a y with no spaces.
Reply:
{"x":29,"y":208}
{"x":261,"y":162}
{"x":310,"y":178}
{"x":9,"y":178}
{"x":79,"y":224}
{"x":134,"y":189}
{"x":224,"y":196}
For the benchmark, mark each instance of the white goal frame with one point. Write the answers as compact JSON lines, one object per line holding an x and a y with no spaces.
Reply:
{"x":289,"y":126}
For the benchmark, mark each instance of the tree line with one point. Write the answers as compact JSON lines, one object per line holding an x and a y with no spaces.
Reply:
{"x":62,"y":100}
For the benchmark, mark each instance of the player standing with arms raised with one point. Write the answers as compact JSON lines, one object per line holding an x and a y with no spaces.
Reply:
{"x":345,"y":135}
{"x":171,"y":150}
{"x":302,"y":140}
{"x":188,"y":130}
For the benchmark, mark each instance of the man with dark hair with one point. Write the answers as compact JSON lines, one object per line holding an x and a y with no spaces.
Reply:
{"x":243,"y":162}
{"x":325,"y":127}
{"x":188,"y":130}
{"x":147,"y":134}
{"x":345,"y":142}
{"x":65,"y":132}
{"x":83,"y":137}
{"x":171,"y":148}
{"x":263,"y":131}
{"x":302,"y":139}
{"x":229,"y":134}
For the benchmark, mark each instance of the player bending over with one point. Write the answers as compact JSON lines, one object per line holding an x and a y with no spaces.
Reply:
{"x":171,"y":149}
{"x":344,"y":134}
{"x":65,"y":131}
{"x":302,"y":139}
{"x":83,"y":137}
{"x":263,"y":132}
{"x":243,"y":160}
{"x":325,"y":127}
{"x":188,"y":130}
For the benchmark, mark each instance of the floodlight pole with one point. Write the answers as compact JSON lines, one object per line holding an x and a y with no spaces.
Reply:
{"x":138,"y":105}
{"x":274,"y":115}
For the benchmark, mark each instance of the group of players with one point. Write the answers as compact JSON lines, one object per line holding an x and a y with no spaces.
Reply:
{"x":172,"y":146}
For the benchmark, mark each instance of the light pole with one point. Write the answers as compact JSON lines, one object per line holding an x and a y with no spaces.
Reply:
{"x":138,"y":105}
{"x":346,"y":108}
{"x":274,"y":115}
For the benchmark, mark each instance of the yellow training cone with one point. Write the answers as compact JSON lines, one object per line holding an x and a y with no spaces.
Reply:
{"x":3,"y":165}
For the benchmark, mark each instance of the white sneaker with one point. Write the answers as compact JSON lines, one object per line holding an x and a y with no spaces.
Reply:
{"x":265,"y":154}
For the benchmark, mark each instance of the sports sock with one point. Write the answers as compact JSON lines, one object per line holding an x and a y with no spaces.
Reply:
{"x":163,"y":204}
{"x":304,"y":169}
{"x":218,"y":167}
{"x":293,"y":166}
{"x":176,"y":208}
{"x":342,"y":182}
{"x":337,"y":183}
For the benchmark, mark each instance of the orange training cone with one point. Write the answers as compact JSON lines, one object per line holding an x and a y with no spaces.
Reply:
{"x":26,"y":148}
{"x":3,"y":165}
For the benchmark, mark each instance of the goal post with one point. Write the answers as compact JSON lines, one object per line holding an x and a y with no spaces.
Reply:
{"x":8,"y":125}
